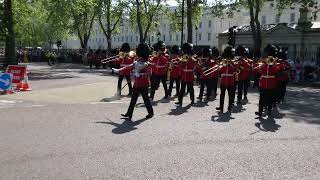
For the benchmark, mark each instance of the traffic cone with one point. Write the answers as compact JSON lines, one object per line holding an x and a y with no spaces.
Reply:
{"x":24,"y":84}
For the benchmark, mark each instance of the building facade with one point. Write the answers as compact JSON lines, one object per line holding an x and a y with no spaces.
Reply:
{"x":204,"y":34}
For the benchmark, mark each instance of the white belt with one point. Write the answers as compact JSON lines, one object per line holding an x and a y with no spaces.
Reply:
{"x":226,"y":74}
{"x":123,"y":65}
{"x":140,"y":74}
{"x":187,"y":70}
{"x":268,"y":76}
{"x":160,"y":66}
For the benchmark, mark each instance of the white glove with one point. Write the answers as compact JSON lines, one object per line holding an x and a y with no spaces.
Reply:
{"x":115,"y":70}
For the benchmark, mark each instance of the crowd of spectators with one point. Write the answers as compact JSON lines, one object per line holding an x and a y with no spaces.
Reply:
{"x":307,"y":70}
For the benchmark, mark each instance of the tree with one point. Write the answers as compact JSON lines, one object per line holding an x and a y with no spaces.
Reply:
{"x":83,"y":13}
{"x":110,"y":17}
{"x":143,"y":13}
{"x":10,"y":47}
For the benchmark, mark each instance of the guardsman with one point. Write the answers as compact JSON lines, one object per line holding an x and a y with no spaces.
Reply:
{"x":174,"y":70}
{"x":283,"y":75}
{"x":188,"y":66}
{"x":160,"y":71}
{"x":205,"y":81}
{"x":244,"y":69}
{"x":227,"y":81}
{"x":214,"y":76}
{"x":141,"y":73}
{"x":268,"y":80}
{"x":124,"y":61}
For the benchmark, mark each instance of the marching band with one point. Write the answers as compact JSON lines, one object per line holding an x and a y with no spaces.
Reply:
{"x":233,"y":70}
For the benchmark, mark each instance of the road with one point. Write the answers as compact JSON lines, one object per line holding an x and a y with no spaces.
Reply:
{"x":69,"y":127}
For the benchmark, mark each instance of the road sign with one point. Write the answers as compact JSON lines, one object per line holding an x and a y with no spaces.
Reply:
{"x":5,"y":81}
{"x":18,"y":72}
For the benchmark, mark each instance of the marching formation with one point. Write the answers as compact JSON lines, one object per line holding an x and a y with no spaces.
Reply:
{"x":148,"y":67}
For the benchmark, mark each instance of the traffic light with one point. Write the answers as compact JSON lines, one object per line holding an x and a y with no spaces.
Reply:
{"x":232,"y":36}
{"x":59,"y":43}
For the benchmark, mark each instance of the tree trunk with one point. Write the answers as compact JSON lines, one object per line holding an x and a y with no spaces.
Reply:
{"x":258,"y":32}
{"x":10,"y":47}
{"x":139,"y":22}
{"x":189,"y":21}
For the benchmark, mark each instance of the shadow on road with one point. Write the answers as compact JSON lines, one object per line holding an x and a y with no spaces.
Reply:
{"x":222,"y":117}
{"x":113,"y":98}
{"x":124,"y":127}
{"x":44,"y":75}
{"x":267,"y":125}
{"x":179,"y":110}
{"x":302,"y":105}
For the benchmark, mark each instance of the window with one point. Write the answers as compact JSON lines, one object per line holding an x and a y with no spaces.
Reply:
{"x":131,"y":38}
{"x":126,"y":38}
{"x":164,"y":37}
{"x":170,"y":37}
{"x":177,"y":37}
{"x":152,"y":38}
{"x":209,"y":24}
{"x":199,"y":36}
{"x":277,"y":19}
{"x":200,"y":25}
{"x":263,"y":20}
{"x":136,"y":38}
{"x":292,"y":17}
{"x":209,"y":36}
{"x":184,"y":37}
{"x":122,"y":38}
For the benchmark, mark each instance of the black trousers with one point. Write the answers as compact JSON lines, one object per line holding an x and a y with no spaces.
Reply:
{"x":281,"y":90}
{"x":135,"y":94}
{"x":266,"y":99}
{"x":172,"y":80}
{"x":214,"y":85}
{"x":120,"y":84}
{"x":243,"y":88}
{"x":156,"y":84}
{"x":189,"y":85}
{"x":205,"y":83}
{"x":231,"y":92}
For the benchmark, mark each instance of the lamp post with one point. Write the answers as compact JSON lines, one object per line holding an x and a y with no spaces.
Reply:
{"x":158,"y":35}
{"x":196,"y":36}
{"x":181,"y":24}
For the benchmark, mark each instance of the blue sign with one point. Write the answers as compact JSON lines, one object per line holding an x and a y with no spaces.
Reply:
{"x":5,"y":81}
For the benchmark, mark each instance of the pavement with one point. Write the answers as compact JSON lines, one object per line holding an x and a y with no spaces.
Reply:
{"x":69,"y":127}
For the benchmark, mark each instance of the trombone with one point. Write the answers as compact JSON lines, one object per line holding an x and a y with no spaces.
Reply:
{"x":215,"y":68}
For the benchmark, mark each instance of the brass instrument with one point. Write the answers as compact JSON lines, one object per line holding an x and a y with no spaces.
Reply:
{"x":120,"y":55}
{"x":270,"y":60}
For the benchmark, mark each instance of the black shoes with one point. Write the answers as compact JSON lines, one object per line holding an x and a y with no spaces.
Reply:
{"x":127,"y":116}
{"x":149,"y":116}
{"x":219,"y":109}
{"x":179,"y":103}
{"x":258,"y":114}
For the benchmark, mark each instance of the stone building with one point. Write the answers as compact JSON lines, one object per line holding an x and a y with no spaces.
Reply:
{"x":302,"y":39}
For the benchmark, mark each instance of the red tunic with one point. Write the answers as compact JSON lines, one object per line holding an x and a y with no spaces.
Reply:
{"x":268,"y":76}
{"x":284,"y":68}
{"x":187,"y":70}
{"x":143,"y":78}
{"x":245,"y":70}
{"x":227,"y":75}
{"x":123,"y":62}
{"x":161,"y":63}
{"x":175,"y":69}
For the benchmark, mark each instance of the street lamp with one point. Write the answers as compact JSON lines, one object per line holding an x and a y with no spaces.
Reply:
{"x":182,"y":18}
{"x":196,"y":36}
{"x":158,"y":35}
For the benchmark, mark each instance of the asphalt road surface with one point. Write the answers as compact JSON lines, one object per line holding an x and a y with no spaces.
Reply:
{"x":69,"y":127}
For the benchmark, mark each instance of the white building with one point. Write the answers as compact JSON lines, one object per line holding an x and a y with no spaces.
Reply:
{"x":206,"y":34}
